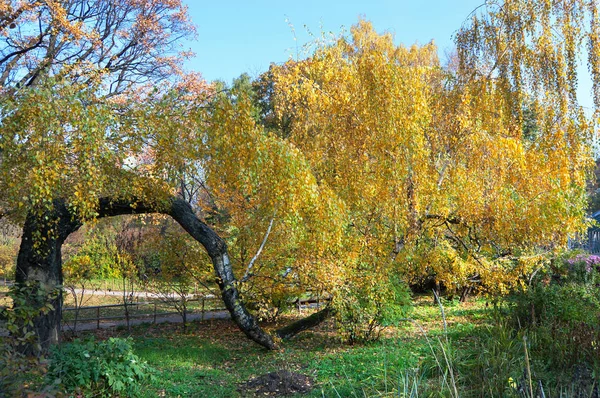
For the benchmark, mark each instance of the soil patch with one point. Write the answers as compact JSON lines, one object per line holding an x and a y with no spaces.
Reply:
{"x":277,"y":384}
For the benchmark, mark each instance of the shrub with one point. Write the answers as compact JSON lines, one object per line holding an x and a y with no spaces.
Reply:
{"x":494,"y":365}
{"x":100,"y":251}
{"x":16,"y":369}
{"x":584,"y":268}
{"x":106,"y":368}
{"x":565,"y":318}
{"x":561,"y":313}
{"x":364,"y":309}
{"x":8,"y":258}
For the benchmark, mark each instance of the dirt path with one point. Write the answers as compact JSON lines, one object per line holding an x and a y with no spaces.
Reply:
{"x":137,"y":294}
{"x":81,"y":326}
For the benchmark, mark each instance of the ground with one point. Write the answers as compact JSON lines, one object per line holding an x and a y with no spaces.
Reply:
{"x":277,"y":384}
{"x":479,"y":354}
{"x":214,"y":359}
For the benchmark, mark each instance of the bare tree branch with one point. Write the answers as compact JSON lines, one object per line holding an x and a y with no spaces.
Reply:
{"x":262,"y":245}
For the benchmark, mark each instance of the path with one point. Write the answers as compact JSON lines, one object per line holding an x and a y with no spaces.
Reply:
{"x":117,"y":293}
{"x":135,"y":293}
{"x":208,"y":315}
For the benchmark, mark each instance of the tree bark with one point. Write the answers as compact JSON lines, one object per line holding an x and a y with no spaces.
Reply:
{"x":39,"y":261}
{"x":39,"y":271}
{"x":303,"y":324}
{"x":182,"y":212}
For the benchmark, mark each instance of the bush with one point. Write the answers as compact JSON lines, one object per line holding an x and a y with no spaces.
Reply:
{"x":584,"y":269}
{"x":100,"y":251}
{"x":8,"y":258}
{"x":270,"y":300}
{"x":17,"y":370}
{"x":494,"y":365}
{"x":565,"y":317}
{"x":561,"y":314}
{"x":106,"y":368}
{"x":365,"y":308}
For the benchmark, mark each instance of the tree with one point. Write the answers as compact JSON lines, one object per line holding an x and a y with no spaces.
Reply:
{"x":126,"y":44}
{"x":73,"y":158}
{"x":377,"y":162}
{"x":78,"y":270}
{"x":432,"y":166}
{"x":60,"y":171}
{"x":102,"y":159}
{"x":9,"y":243}
{"x":181,"y":266}
{"x":123,"y":249}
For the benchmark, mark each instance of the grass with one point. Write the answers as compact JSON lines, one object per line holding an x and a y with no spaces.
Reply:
{"x":212,"y":358}
{"x":116,"y":285}
{"x":111,"y":284}
{"x":188,"y":366}
{"x":477,"y":356}
{"x":196,"y":365}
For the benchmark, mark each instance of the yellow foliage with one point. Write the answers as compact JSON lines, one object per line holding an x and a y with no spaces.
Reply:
{"x":390,"y":163}
{"x":432,"y":169}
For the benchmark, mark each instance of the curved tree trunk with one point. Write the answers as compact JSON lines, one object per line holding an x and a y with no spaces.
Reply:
{"x":182,"y":212}
{"x":39,"y":265}
{"x":42,"y":264}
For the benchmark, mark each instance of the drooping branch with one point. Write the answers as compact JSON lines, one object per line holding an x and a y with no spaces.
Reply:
{"x":303,"y":324}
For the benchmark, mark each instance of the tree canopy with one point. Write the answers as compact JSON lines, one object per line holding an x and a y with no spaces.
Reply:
{"x":433,"y":166}
{"x":124,"y":43}
{"x":366,"y":164}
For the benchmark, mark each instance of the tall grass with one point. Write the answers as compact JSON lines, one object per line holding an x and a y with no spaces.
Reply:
{"x":497,"y":360}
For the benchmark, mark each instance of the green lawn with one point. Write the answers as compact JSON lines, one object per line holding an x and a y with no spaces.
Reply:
{"x":478,"y":355}
{"x":213,"y":358}
{"x":196,"y":365}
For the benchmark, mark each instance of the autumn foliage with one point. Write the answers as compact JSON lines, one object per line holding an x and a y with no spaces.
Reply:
{"x":365,"y":166}
{"x":434,"y":170}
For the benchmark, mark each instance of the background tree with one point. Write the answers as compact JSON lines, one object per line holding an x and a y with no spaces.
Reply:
{"x":9,"y":245}
{"x":182,"y":265}
{"x":78,"y":272}
{"x":126,"y":44}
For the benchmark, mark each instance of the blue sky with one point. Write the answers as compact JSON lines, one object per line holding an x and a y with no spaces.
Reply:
{"x":236,"y":37}
{"x":246,"y":36}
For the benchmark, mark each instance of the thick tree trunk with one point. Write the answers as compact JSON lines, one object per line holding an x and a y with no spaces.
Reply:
{"x":39,"y":262}
{"x":39,"y":271}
